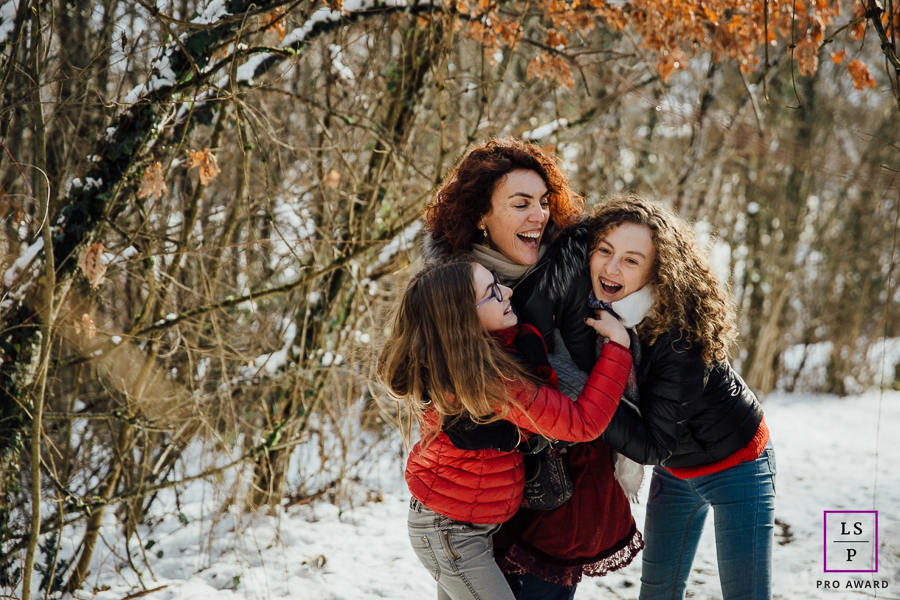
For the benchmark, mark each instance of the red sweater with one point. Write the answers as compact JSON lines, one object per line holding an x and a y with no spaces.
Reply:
{"x":751,"y":451}
{"x":485,"y":486}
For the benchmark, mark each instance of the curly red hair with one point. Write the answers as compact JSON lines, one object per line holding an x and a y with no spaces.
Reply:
{"x":465,"y":196}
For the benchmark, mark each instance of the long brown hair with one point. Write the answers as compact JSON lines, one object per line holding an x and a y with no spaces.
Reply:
{"x":688,"y":293}
{"x":438,"y":355}
{"x":465,"y":196}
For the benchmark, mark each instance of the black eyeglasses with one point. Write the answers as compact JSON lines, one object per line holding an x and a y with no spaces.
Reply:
{"x":496,"y":292}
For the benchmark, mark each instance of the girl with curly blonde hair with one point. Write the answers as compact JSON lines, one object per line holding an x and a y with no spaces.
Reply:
{"x":690,"y":413}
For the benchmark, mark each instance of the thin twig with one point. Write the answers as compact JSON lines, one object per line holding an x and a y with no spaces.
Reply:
{"x":794,"y":45}
{"x":766,"y":47}
{"x":756,"y":111}
{"x":16,"y":165}
{"x":143,"y":593}
{"x":838,"y":31}
{"x":230,"y":301}
{"x":874,"y":15}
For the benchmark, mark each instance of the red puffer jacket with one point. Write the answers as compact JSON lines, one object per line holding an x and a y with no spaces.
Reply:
{"x":485,"y":486}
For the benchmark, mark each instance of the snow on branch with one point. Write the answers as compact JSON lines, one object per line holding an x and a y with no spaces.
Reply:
{"x":18,"y":269}
{"x":543,"y":131}
{"x":325,"y":19}
{"x":22,"y":262}
{"x":402,"y":242}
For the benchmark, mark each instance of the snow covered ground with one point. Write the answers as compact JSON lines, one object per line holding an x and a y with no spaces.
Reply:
{"x":831,"y":454}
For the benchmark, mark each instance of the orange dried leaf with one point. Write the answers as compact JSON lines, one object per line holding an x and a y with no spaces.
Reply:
{"x":154,"y":184}
{"x":671,"y":62}
{"x":862,"y":78}
{"x":858,"y":30}
{"x":206,"y":160}
{"x":275,"y":19}
{"x":535,"y":68}
{"x":87,"y":325}
{"x":92,"y":264}
{"x":333,"y":179}
{"x":807,"y":56}
{"x":220,"y":52}
{"x":838,"y":57}
{"x":550,"y":68}
{"x":506,"y":32}
{"x":556,"y":40}
{"x":480,"y":33}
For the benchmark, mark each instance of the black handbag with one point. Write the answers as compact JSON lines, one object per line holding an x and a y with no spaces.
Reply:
{"x":547,"y":481}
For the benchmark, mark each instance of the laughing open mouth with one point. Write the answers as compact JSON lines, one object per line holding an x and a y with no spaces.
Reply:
{"x":530,"y":239}
{"x":610,"y":287}
{"x":508,"y":310}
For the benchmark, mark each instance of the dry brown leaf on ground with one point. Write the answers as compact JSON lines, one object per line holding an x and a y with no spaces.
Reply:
{"x":206,"y":160}
{"x":154,"y":183}
{"x":92,"y":264}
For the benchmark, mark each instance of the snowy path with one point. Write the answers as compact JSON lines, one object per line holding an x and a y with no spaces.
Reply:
{"x":826,"y":454}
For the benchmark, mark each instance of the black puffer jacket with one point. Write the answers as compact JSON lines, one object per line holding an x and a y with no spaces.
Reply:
{"x":692,"y":414}
{"x":554,"y":294}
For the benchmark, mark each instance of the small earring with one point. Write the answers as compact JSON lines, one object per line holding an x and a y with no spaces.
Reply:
{"x":486,"y":236}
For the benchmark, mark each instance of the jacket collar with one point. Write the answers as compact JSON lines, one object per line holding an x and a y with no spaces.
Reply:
{"x":506,"y":337}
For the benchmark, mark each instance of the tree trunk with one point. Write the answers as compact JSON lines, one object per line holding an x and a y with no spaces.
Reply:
{"x":92,"y":530}
{"x":761,"y":376}
{"x":46,"y":317}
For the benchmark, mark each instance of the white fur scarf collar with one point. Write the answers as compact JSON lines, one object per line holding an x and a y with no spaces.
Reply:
{"x":634,"y":307}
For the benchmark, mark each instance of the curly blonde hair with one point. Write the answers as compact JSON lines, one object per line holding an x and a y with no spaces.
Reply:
{"x":689,"y":296}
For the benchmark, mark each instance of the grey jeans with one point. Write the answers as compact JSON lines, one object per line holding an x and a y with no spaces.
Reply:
{"x":458,"y":555}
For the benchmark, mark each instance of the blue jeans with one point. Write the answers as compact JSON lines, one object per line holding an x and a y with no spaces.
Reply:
{"x":458,"y":555}
{"x":528,"y":587}
{"x":743,"y":502}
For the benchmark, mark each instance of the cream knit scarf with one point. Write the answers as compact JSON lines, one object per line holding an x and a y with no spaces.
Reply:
{"x":510,"y":273}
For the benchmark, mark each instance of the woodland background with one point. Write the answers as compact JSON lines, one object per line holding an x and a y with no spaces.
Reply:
{"x":207,"y":206}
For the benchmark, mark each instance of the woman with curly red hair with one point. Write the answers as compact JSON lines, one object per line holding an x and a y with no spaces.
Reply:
{"x":508,"y":205}
{"x":466,"y":197}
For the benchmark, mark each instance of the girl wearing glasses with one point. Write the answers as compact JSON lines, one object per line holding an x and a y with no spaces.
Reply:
{"x":508,"y":206}
{"x":456,"y":350}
